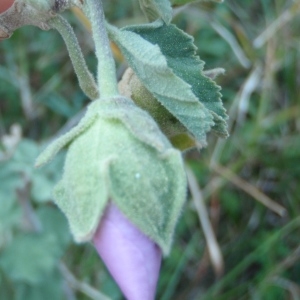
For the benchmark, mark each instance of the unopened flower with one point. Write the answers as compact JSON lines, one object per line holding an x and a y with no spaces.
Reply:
{"x":123,"y":187}
{"x":131,"y":257}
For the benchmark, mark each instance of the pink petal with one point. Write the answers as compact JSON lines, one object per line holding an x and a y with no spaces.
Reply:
{"x":131,"y":257}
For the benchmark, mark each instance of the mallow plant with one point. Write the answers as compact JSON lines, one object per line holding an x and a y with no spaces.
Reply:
{"x":124,"y":185}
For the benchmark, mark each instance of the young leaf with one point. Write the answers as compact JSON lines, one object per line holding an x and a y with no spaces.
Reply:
{"x":180,"y":53}
{"x":151,"y":66}
{"x":155,"y":9}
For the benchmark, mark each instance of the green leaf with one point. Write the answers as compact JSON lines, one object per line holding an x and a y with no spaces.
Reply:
{"x":19,"y":170}
{"x":10,"y":180}
{"x":155,"y":9}
{"x":151,"y":66}
{"x":130,"y":86}
{"x":30,"y":257}
{"x":180,"y":53}
{"x":10,"y":213}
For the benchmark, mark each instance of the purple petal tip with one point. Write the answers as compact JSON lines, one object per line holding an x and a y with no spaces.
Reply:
{"x":132,"y":258}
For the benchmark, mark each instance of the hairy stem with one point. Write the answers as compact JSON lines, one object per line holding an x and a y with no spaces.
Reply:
{"x":107,"y":79}
{"x":85,"y":78}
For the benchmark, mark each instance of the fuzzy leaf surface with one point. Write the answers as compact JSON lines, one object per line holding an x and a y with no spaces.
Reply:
{"x":155,"y":9}
{"x":177,"y":134}
{"x":180,"y":53}
{"x":175,"y":94}
{"x":82,"y":193}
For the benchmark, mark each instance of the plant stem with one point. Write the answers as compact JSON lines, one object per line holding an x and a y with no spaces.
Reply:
{"x":107,"y":79}
{"x":85,"y":78}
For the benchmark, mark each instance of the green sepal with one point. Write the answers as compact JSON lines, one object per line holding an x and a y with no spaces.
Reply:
{"x":180,"y":53}
{"x":142,"y":127}
{"x":176,"y":95}
{"x":155,"y":9}
{"x":137,"y":121}
{"x":82,"y":194}
{"x":117,"y":159}
{"x":64,"y":140}
{"x":154,"y":202}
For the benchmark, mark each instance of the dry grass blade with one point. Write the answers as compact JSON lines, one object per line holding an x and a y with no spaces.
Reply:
{"x":250,"y":86}
{"x":231,"y":40}
{"x":273,"y":28}
{"x":250,"y":189}
{"x":239,"y":108}
{"x":212,"y":244}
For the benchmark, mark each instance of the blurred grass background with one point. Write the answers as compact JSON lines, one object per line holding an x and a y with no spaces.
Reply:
{"x":248,"y":185}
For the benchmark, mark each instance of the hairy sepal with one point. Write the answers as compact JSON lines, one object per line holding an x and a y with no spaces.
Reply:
{"x":123,"y":156}
{"x":51,"y":150}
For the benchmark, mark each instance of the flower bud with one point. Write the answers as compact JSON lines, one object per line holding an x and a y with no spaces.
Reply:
{"x":123,"y":187}
{"x":131,"y":257}
{"x":117,"y":152}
